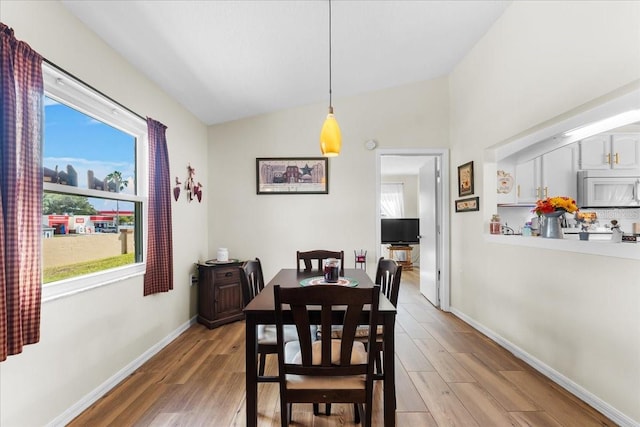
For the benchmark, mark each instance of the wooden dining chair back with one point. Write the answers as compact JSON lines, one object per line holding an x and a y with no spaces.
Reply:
{"x":327,"y":370}
{"x":318,"y":255}
{"x":251,"y":279}
{"x":388,"y":276}
{"x":252,"y":283}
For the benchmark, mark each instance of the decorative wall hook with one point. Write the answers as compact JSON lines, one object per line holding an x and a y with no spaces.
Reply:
{"x":194,"y":190}
{"x":176,"y":189}
{"x":199,"y":192}
{"x":190,"y":183}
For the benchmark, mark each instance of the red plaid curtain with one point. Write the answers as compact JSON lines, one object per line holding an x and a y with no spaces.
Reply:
{"x":22,"y":94}
{"x":159,"y":274}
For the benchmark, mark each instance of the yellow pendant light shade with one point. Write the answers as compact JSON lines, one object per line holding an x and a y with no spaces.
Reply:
{"x":330,"y":136}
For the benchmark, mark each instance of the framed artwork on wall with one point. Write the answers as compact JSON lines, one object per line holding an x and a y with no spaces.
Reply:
{"x":465,"y":179}
{"x":468,"y":205}
{"x":292,"y":175}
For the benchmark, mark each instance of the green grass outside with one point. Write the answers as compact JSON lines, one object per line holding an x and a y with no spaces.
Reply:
{"x":53,"y":274}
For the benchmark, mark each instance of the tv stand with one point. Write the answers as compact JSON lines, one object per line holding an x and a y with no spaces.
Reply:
{"x":407,"y":265}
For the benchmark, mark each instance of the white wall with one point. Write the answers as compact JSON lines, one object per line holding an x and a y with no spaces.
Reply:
{"x":273,"y":227}
{"x":87,"y":338}
{"x":577,"y":314}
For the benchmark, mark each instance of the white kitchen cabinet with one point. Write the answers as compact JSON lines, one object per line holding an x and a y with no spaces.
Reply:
{"x":559,"y":172}
{"x":552,"y":174}
{"x":625,"y":149}
{"x":610,"y":151}
{"x":528,"y":181}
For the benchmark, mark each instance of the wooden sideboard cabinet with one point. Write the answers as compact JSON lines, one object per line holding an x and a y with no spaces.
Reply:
{"x":219,"y":293}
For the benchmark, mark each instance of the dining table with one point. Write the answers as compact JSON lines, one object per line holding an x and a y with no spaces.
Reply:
{"x":261,"y":311}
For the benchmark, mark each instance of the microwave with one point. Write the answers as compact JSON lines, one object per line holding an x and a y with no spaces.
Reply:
{"x":609,"y":188}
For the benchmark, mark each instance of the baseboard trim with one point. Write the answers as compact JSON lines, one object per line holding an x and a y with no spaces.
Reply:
{"x":91,"y":398}
{"x":603,"y":407}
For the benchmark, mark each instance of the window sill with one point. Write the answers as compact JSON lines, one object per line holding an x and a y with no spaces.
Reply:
{"x":592,"y":247}
{"x":69,"y":287}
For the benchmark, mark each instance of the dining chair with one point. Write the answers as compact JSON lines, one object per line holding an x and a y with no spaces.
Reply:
{"x":252,"y":282}
{"x":388,"y":276}
{"x":318,"y":255}
{"x":328,"y":370}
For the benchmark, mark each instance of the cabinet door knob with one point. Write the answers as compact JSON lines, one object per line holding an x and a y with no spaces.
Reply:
{"x":617,"y":158}
{"x":518,"y":190}
{"x":609,"y":158}
{"x":228,"y":274}
{"x":546,"y":192}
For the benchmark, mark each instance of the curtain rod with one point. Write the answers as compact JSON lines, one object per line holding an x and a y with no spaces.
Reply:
{"x":93,"y":88}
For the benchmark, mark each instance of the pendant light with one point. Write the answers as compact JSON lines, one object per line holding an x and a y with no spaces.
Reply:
{"x":330,"y":137}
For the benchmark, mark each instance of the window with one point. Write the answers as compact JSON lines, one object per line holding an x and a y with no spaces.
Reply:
{"x":392,"y":200}
{"x":94,"y":181}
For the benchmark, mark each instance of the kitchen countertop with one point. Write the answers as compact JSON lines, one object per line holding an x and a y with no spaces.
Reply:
{"x":571,"y":243}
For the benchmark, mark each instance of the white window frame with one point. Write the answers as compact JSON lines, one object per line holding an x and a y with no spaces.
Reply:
{"x":68,"y":90}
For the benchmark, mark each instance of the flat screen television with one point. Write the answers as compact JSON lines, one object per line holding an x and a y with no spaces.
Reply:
{"x":400,"y":231}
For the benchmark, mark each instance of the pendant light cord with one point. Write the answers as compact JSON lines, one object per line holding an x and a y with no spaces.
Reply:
{"x":330,"y":91}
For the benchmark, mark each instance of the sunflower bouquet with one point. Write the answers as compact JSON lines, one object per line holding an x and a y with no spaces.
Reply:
{"x":555,"y":204}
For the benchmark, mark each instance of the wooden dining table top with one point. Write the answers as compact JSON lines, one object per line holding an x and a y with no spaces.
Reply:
{"x":263,"y":303}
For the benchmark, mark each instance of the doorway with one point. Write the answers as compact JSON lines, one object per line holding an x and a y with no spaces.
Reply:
{"x":431,"y":170}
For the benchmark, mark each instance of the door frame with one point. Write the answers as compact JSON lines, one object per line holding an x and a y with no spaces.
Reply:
{"x":443,"y":250}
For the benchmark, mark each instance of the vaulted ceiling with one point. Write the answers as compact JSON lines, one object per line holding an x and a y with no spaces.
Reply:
{"x":226,"y":60}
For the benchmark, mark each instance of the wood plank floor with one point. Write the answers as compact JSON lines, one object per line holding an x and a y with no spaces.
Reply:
{"x":448,"y":374}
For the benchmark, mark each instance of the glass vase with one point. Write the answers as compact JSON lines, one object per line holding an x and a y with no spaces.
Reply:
{"x":551,"y":227}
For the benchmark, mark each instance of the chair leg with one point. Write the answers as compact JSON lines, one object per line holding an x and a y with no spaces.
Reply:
{"x":379,"y":362}
{"x":285,"y":416}
{"x":262,"y":363}
{"x":357,"y":408}
{"x":367,"y":415}
{"x":289,"y":413}
{"x":316,"y":409}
